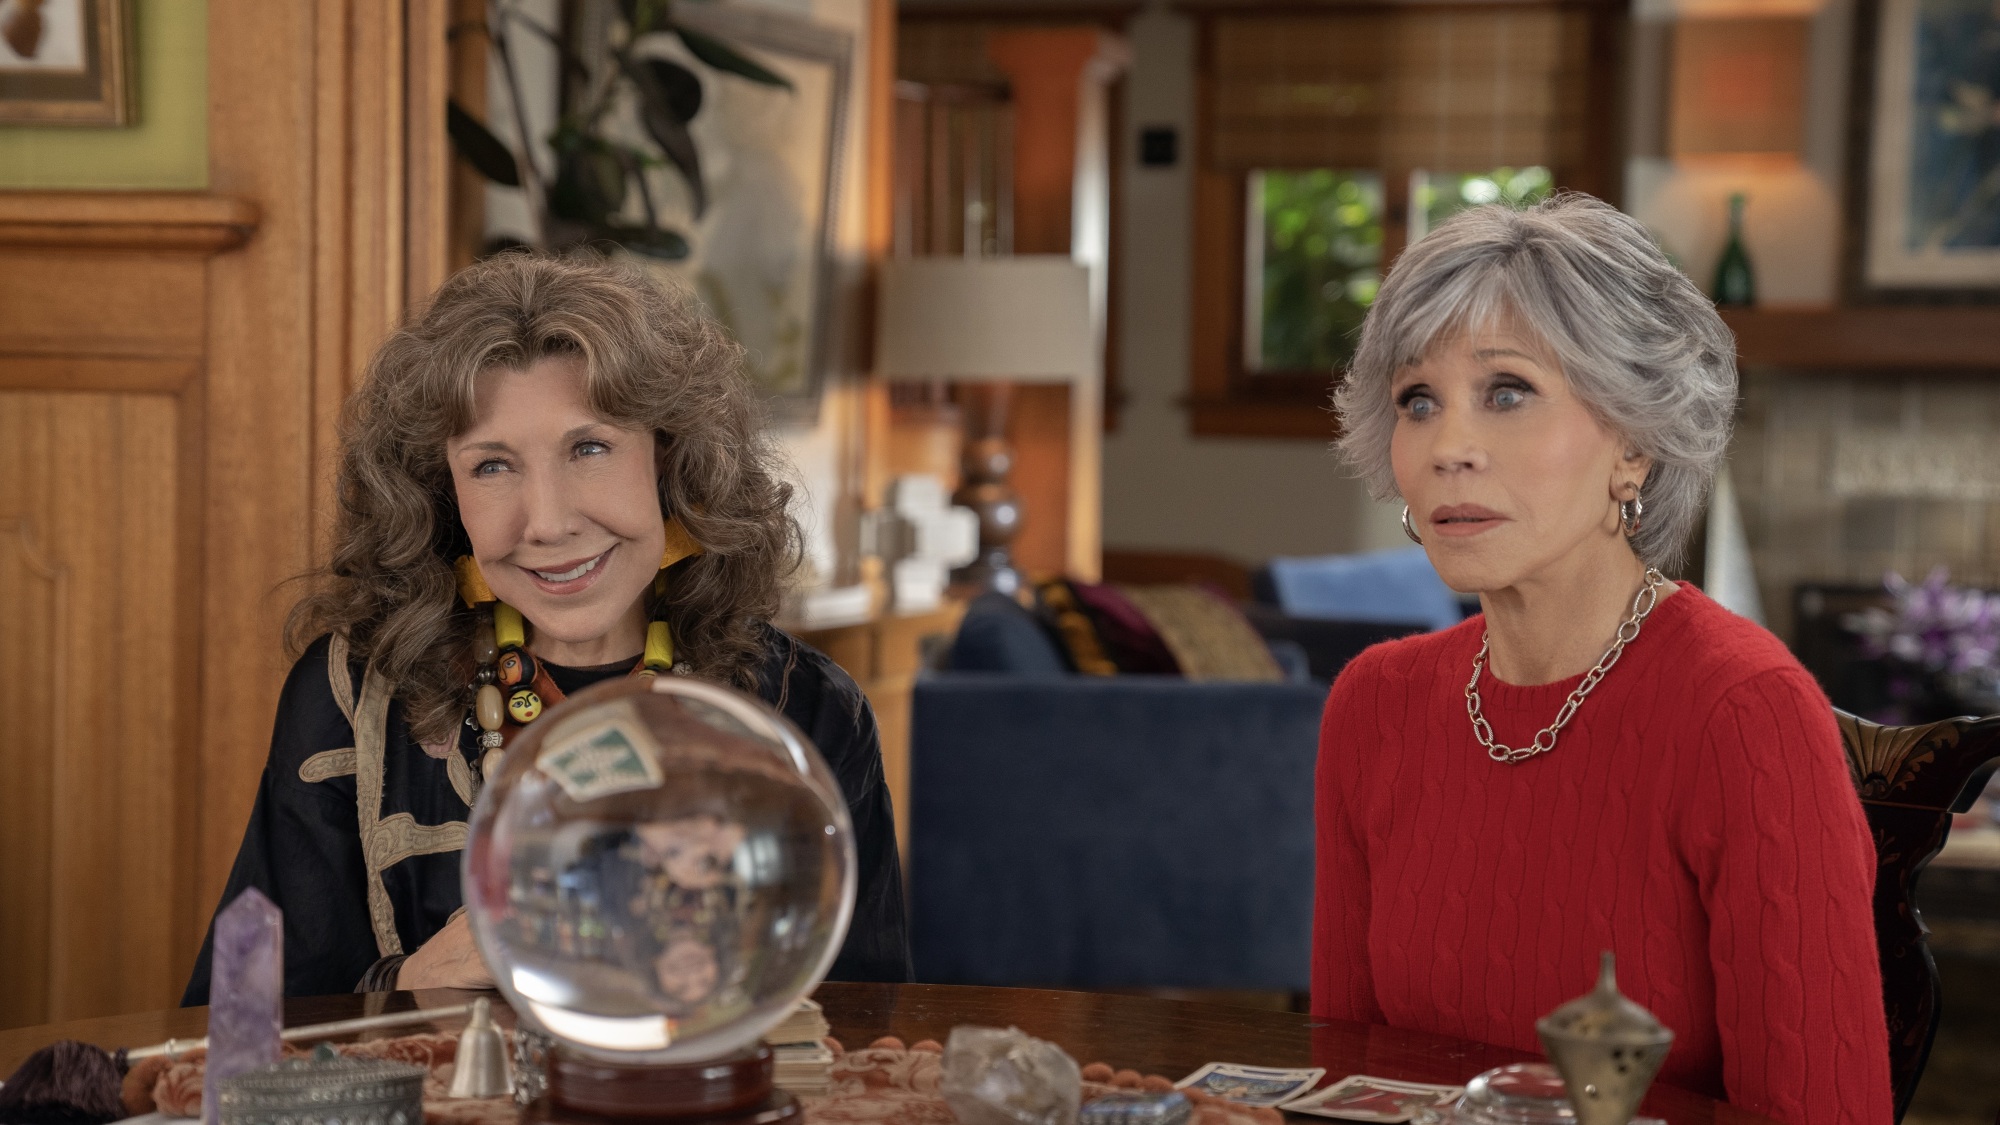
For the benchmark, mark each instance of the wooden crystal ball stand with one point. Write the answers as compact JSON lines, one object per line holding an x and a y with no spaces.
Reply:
{"x":732,"y":1090}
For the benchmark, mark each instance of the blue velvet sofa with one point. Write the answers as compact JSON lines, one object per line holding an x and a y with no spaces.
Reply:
{"x":1084,"y":831}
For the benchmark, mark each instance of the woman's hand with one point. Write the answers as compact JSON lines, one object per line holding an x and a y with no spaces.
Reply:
{"x":448,"y":960}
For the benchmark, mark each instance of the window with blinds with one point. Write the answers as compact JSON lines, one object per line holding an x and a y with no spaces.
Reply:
{"x":1440,"y":89}
{"x":1352,"y":133}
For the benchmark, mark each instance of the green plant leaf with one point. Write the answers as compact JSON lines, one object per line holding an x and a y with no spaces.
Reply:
{"x":644,"y":15}
{"x":654,"y":242}
{"x":590,"y":179}
{"x":680,"y":86}
{"x":724,"y":57}
{"x":665,"y":124}
{"x":480,"y":148}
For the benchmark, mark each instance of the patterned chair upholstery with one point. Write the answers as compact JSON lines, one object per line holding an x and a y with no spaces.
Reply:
{"x":1910,"y":779}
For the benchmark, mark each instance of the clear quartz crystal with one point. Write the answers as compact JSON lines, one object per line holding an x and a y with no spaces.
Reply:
{"x":246,"y":994}
{"x":993,"y":1076}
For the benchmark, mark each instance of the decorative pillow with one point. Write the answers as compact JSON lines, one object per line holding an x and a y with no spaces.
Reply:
{"x":1210,"y":638}
{"x":1074,"y":628}
{"x":999,"y":635}
{"x":1128,"y":638}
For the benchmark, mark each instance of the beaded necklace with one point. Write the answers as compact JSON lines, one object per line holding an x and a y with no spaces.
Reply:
{"x":510,"y":688}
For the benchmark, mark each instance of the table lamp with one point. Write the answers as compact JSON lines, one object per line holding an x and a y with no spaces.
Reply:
{"x":994,"y":322}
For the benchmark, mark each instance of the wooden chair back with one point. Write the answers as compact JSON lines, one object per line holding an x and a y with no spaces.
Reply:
{"x":1909,"y":778}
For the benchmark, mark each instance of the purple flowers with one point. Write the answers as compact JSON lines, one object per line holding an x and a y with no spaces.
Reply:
{"x":1935,"y":626}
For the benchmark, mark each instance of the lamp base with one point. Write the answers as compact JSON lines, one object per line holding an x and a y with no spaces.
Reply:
{"x":989,"y":573}
{"x":732,"y":1090}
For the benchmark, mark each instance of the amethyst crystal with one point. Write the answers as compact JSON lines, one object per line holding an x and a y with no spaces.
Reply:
{"x":246,"y":993}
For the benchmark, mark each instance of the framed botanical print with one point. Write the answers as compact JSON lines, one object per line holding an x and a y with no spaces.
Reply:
{"x":763,"y":249}
{"x":1929,"y":175}
{"x":66,"y":62}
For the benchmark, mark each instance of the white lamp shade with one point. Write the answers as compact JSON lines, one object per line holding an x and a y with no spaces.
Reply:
{"x":1020,"y":319}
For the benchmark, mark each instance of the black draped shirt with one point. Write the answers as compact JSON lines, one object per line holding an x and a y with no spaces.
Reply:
{"x":303,"y":847}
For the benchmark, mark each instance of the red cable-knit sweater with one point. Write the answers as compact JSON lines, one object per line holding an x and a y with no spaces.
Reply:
{"x":1695,"y":817}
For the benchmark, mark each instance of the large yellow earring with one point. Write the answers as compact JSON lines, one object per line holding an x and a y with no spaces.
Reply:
{"x":472,"y":587}
{"x":680,"y":545}
{"x":659,"y":654}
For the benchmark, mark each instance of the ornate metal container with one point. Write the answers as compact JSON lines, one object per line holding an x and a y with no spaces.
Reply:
{"x":320,"y":1091}
{"x":1607,"y":1048}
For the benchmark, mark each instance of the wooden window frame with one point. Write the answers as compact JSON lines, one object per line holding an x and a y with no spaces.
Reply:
{"x":1226,"y":400}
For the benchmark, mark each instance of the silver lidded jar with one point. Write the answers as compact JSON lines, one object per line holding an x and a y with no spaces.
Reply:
{"x":1607,"y":1048}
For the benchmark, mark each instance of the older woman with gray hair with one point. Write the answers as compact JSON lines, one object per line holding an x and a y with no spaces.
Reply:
{"x":1603,"y":758}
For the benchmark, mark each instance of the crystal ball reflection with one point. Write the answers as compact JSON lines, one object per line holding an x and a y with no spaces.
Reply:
{"x":662,"y":868}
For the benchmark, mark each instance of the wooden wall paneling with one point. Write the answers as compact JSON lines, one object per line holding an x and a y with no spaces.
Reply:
{"x":89,"y":572}
{"x":170,"y":221}
{"x":102,"y":305}
{"x":150,"y":569}
{"x":427,"y":159}
{"x":381,"y":195}
{"x":878,"y":240}
{"x":143,"y":306}
{"x":258,"y":403}
{"x":109,"y":501}
{"x":354,"y":230}
{"x":1038,"y":428}
{"x":881,"y":132}
{"x":467,"y":60}
{"x":184,"y":930}
{"x":34,"y":597}
{"x":341,"y":204}
{"x":171,"y":368}
{"x":1046,"y":69}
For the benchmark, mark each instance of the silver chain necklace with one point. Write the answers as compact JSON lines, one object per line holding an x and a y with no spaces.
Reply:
{"x":1545,"y":739}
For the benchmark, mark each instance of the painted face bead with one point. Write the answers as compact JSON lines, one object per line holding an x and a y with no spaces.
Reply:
{"x":524,"y":705}
{"x":516,"y":667}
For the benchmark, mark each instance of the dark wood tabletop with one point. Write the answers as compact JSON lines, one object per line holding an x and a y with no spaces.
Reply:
{"x":1166,"y":1037}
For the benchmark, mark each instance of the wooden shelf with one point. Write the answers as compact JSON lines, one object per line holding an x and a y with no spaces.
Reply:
{"x":1309,"y":417}
{"x":1885,"y":338}
{"x":125,"y":220}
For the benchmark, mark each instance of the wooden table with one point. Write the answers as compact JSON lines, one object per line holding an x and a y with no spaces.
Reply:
{"x":1167,"y":1037}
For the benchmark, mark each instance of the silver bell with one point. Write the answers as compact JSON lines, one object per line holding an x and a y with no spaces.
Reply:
{"x":481,"y":1069}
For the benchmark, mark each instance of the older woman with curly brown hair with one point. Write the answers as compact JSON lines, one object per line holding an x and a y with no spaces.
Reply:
{"x":562,"y":440}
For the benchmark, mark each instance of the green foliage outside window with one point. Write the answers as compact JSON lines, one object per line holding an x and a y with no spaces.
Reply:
{"x":1321,"y":264}
{"x":1436,"y":196}
{"x":1316,"y":252}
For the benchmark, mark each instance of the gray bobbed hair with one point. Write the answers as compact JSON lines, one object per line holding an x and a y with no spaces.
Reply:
{"x":1639,"y":344}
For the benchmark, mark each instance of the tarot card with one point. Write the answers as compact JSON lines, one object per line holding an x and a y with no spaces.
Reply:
{"x":1256,"y":1086}
{"x":601,"y":758}
{"x":1361,"y":1098}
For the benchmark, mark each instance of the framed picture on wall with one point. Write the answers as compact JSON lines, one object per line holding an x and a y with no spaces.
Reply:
{"x":1927,"y":180}
{"x":66,"y":62}
{"x":762,"y":252}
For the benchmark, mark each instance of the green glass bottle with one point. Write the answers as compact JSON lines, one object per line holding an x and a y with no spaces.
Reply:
{"x":1735,"y":284}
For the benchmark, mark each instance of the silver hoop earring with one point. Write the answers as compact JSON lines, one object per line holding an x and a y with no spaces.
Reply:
{"x":1409,"y":528}
{"x":1631,"y":516}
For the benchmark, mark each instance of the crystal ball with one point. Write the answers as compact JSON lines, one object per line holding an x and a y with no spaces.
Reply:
{"x":661,"y":869}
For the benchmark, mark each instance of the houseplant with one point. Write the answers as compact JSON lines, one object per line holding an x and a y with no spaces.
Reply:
{"x":583,"y":197}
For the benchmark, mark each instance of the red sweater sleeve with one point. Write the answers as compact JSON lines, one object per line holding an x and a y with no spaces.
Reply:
{"x":1342,"y":985}
{"x":1786,"y":869}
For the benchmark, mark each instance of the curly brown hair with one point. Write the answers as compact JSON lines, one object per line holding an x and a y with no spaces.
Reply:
{"x":654,"y":360}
